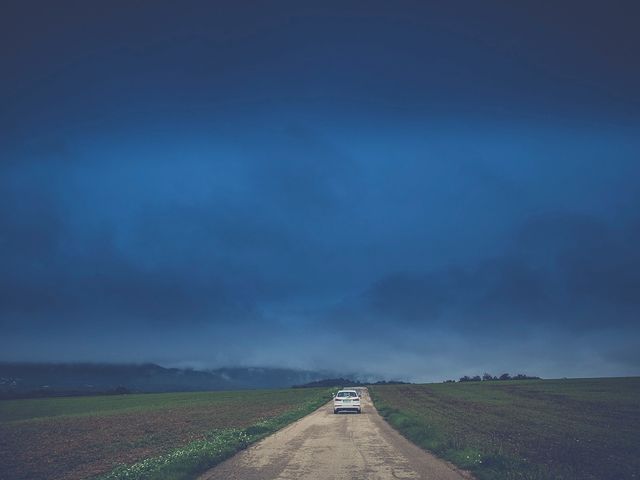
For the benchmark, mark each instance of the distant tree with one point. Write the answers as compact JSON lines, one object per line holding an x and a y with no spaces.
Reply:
{"x":487,"y":376}
{"x":505,"y":376}
{"x":522,"y":376}
{"x":391,"y":382}
{"x":466,"y":378}
{"x":449,"y":381}
{"x":476,"y":378}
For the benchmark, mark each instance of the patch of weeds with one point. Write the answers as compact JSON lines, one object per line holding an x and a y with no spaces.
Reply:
{"x":182,"y":462}
{"x":467,"y":458}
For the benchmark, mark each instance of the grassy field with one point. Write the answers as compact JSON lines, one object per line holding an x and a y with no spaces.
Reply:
{"x":539,"y":429}
{"x":164,"y":436}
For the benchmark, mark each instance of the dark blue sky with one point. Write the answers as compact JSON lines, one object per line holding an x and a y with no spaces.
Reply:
{"x":439,"y":189}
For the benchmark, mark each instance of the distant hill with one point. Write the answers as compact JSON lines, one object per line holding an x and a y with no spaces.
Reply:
{"x":49,"y":379}
{"x":345,"y":382}
{"x":330,"y":382}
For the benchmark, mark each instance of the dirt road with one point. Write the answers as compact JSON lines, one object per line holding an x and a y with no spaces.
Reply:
{"x":324,"y":446}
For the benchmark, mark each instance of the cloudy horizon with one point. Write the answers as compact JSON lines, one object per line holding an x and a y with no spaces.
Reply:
{"x":429,"y":191}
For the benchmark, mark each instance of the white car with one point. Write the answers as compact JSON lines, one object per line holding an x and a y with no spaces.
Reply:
{"x":347,"y":400}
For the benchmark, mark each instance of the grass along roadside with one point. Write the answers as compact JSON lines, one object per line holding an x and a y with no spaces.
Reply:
{"x":572,"y":429}
{"x":196,"y":457}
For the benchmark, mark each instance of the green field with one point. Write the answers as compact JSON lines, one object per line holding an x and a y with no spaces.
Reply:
{"x":539,"y":429}
{"x":169,"y":435}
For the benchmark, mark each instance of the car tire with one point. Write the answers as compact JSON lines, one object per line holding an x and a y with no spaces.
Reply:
{"x":335,"y":411}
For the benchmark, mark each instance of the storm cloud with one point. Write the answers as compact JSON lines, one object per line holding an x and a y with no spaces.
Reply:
{"x":442,"y":193}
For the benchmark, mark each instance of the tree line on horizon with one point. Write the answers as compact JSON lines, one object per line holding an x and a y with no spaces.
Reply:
{"x":488,"y":377}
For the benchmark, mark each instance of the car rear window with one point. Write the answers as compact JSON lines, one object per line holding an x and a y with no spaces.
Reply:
{"x":347,"y":394}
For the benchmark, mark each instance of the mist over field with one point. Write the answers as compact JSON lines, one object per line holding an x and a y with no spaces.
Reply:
{"x":427,"y":191}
